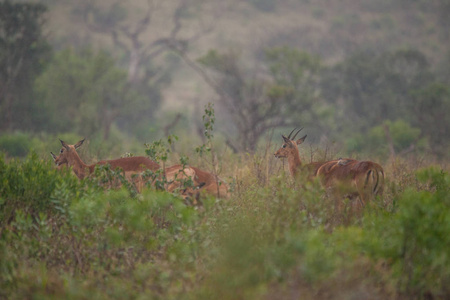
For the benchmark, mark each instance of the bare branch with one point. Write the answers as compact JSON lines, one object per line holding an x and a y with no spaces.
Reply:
{"x":171,"y":125}
{"x":143,"y":23}
{"x":117,"y":42}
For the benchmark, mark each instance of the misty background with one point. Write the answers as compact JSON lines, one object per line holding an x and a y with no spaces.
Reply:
{"x":367,"y":76}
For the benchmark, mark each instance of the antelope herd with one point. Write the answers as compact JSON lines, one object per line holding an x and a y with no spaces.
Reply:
{"x":359,"y":181}
{"x":134,"y":170}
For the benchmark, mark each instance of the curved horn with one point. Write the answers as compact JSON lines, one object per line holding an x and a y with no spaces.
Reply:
{"x":297,"y":133}
{"x":289,"y":136}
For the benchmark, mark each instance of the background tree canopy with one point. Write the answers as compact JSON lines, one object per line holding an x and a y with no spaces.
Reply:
{"x":86,"y":92}
{"x":102,"y":68}
{"x":23,"y":53}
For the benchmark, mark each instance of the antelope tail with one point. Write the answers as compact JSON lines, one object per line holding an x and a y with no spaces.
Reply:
{"x":378,"y":189}
{"x":374,"y":181}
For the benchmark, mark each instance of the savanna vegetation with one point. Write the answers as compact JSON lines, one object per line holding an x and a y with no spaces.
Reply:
{"x":367,"y":81}
{"x":274,"y":238}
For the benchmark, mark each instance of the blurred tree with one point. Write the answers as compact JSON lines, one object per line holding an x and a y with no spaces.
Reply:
{"x":389,"y":138}
{"x":264,"y":5}
{"x":367,"y":89}
{"x":85,"y":92}
{"x":299,"y":73}
{"x":23,"y":52}
{"x":140,"y":50}
{"x":443,"y":69}
{"x":431,"y":108}
{"x":287,"y":95}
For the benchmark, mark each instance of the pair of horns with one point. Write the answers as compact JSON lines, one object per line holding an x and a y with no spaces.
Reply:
{"x":289,"y":136}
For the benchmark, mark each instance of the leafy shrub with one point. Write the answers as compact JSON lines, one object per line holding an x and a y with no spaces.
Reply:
{"x":415,"y":239}
{"x":17,"y":144}
{"x":65,"y":238}
{"x":67,"y":225}
{"x":403,"y":136}
{"x":28,"y":187}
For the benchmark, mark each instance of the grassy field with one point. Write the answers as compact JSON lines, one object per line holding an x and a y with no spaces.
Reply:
{"x":276,"y":238}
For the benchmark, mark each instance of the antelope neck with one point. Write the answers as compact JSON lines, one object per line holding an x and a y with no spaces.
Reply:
{"x":294,"y":162}
{"x":78,"y":165}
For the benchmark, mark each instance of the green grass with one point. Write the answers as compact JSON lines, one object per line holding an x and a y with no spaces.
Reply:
{"x":65,"y":238}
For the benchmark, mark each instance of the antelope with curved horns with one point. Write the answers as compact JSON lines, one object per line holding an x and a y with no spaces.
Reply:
{"x":68,"y":155}
{"x":132,"y":167}
{"x":203,"y":181}
{"x":289,"y":150}
{"x":363,"y":179}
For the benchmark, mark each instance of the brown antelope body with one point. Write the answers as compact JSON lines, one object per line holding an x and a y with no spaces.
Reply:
{"x":68,"y":155}
{"x":289,"y":150}
{"x":174,"y":176}
{"x":363,"y":179}
{"x":353,"y":178}
{"x":132,"y":167}
{"x":211,"y":184}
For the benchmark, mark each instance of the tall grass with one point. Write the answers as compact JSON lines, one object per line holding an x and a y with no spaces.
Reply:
{"x":274,"y":239}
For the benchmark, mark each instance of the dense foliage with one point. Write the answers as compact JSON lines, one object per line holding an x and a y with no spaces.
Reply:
{"x":65,"y":238}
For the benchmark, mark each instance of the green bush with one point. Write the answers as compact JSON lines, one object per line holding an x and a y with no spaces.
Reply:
{"x":28,"y":186}
{"x":17,"y":144}
{"x":52,"y":221}
{"x":402,"y":135}
{"x":65,"y":238}
{"x":416,"y":238}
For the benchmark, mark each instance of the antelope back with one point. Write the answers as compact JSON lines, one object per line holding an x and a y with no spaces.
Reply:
{"x":134,"y":163}
{"x":210,"y":184}
{"x":177,"y":177}
{"x":340,"y":169}
{"x":68,"y":155}
{"x":364,"y":179}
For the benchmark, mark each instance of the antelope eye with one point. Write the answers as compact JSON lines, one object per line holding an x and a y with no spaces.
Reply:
{"x":61,"y":151}
{"x":284,"y":146}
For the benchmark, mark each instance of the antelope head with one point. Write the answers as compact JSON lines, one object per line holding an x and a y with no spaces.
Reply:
{"x":65,"y":152}
{"x":289,"y":147}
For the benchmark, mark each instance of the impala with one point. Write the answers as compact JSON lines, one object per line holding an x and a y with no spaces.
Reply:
{"x":68,"y":155}
{"x":289,"y":150}
{"x":363,"y":179}
{"x":132,"y":167}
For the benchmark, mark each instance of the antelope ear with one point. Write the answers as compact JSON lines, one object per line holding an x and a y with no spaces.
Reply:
{"x":79,"y":143}
{"x":64,"y":144}
{"x":53,"y":155}
{"x":301,"y":140}
{"x":286,"y":140}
